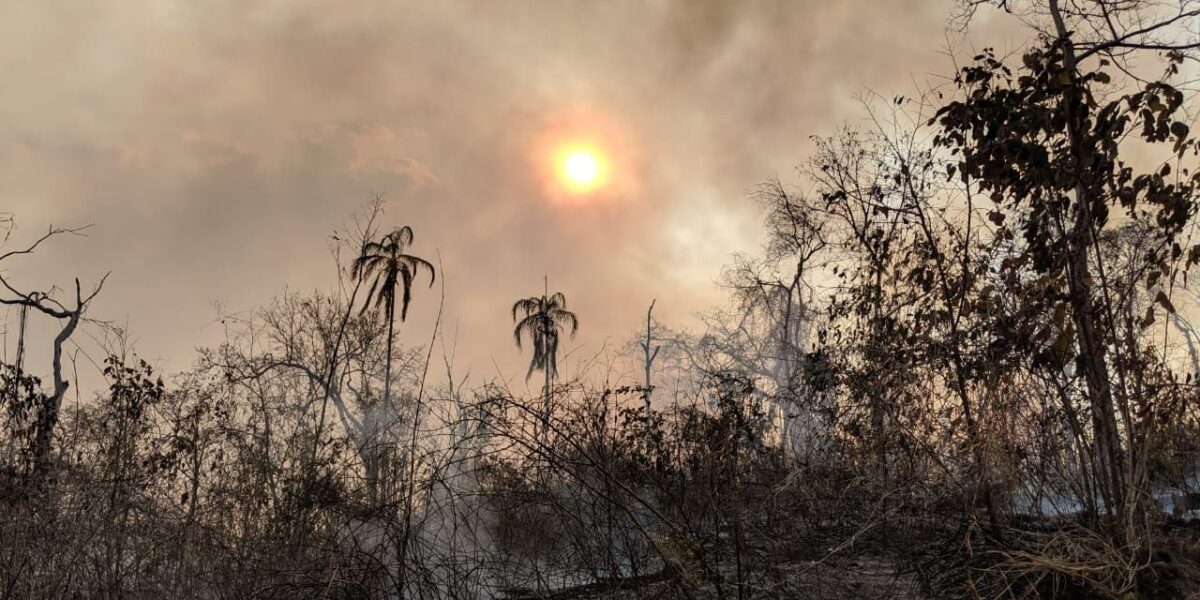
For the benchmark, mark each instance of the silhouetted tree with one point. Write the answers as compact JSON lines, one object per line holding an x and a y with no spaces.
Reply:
{"x":69,"y":314}
{"x":1048,"y":147}
{"x":544,"y":317}
{"x":387,"y":263}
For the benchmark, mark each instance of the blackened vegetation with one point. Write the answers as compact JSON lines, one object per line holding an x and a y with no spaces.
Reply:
{"x":962,"y":367}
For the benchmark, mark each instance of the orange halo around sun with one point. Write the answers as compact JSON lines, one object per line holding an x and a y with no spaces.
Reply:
{"x":583,"y":157}
{"x":581,"y":168}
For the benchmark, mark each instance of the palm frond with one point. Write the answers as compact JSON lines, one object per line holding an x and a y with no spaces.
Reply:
{"x":417,"y":263}
{"x":402,"y":236}
{"x":528,"y":306}
{"x":528,"y":326}
{"x":370,"y":294}
{"x":544,"y":317}
{"x":391,"y":267}
{"x":406,"y":277}
{"x":568,"y":316}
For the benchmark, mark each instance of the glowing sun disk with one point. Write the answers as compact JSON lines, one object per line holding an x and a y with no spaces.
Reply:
{"x":581,"y":169}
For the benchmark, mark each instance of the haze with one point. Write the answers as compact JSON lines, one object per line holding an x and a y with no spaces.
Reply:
{"x":216,"y":146}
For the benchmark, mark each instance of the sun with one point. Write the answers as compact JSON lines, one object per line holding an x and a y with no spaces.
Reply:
{"x":581,"y":169}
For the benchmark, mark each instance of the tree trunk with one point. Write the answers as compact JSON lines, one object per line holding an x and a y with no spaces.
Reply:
{"x":48,"y":418}
{"x":1109,"y":454}
{"x":650,"y":356}
{"x":387,"y":367}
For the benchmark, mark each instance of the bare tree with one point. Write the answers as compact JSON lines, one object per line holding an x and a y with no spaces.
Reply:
{"x":69,"y":313}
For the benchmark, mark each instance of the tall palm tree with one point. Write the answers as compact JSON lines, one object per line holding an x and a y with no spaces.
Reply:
{"x":386,"y":262}
{"x":543,"y":319}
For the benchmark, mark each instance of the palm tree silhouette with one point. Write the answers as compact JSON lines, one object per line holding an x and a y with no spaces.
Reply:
{"x":544,"y":318}
{"x":386,"y":262}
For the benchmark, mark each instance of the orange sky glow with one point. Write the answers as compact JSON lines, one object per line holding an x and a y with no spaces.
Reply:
{"x":611,"y":146}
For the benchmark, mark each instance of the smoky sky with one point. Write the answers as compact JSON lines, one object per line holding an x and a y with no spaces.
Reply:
{"x":214,"y":146}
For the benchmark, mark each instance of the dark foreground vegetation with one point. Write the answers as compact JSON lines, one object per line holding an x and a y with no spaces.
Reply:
{"x":961,"y":367}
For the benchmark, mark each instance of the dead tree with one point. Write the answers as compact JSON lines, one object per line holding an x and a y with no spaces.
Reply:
{"x":650,"y":355}
{"x":69,"y":314}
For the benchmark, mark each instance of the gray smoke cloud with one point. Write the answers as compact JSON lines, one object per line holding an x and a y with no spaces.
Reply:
{"x":215,"y":145}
